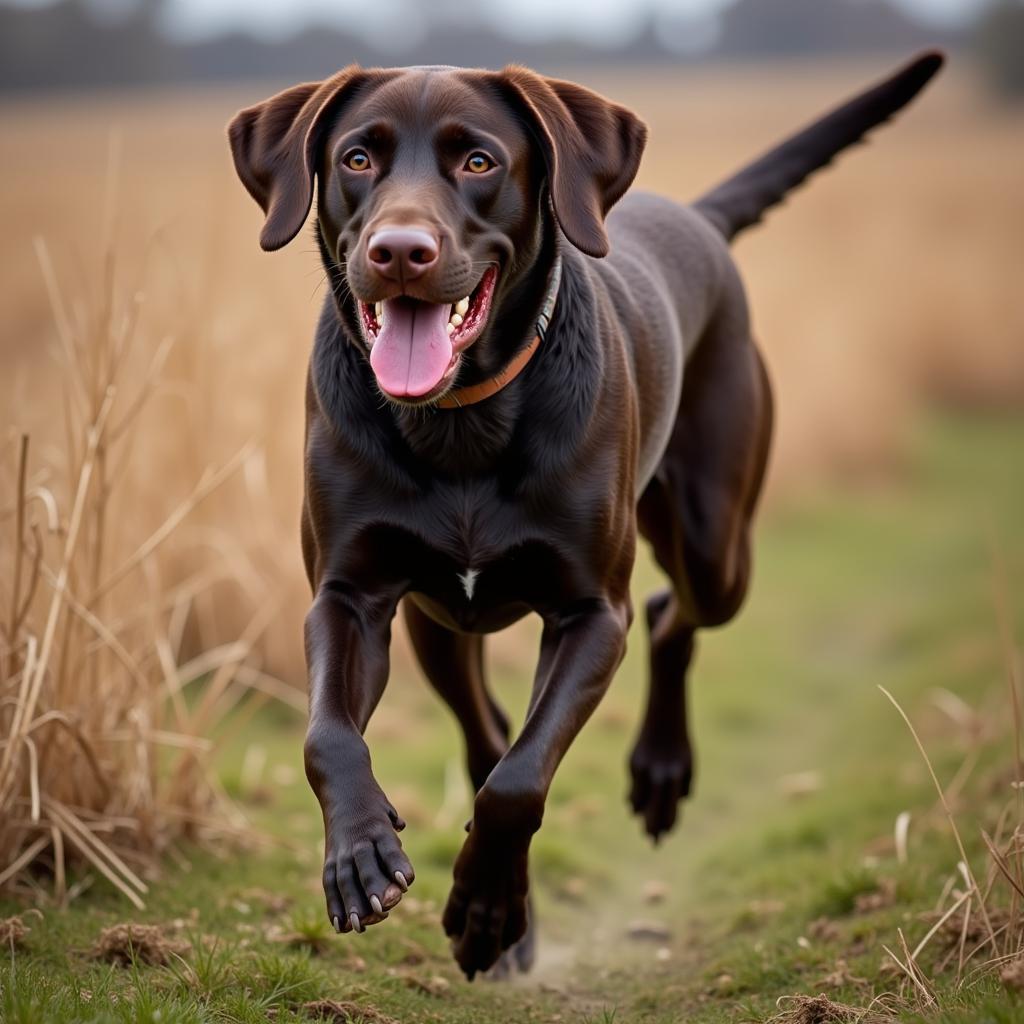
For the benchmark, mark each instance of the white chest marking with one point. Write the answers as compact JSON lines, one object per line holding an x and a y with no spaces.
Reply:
{"x":468,"y":581}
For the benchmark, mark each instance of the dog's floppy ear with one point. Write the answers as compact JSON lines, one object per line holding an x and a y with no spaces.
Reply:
{"x":275,"y":146}
{"x":591,"y":146}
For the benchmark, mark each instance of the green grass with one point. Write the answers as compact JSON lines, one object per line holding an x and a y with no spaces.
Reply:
{"x":886,"y":585}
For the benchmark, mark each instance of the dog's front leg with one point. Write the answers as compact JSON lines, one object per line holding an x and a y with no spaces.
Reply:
{"x":486,"y":910}
{"x":365,"y":868}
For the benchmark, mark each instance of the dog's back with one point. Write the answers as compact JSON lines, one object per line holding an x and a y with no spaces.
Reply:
{"x":670,"y":274}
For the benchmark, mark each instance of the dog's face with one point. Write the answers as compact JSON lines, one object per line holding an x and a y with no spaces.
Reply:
{"x":432,"y":202}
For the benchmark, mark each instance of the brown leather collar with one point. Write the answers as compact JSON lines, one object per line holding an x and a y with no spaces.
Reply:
{"x":485,"y":389}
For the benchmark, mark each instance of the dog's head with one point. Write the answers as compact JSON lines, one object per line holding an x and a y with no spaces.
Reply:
{"x":432,"y":201}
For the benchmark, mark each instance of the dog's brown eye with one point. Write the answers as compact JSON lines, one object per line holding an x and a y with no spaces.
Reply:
{"x":478,"y":163}
{"x":357,"y":160}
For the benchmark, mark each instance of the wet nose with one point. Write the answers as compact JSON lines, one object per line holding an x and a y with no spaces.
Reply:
{"x":402,"y":253}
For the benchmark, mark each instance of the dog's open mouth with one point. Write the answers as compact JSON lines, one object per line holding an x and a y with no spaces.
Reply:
{"x":416,"y":346}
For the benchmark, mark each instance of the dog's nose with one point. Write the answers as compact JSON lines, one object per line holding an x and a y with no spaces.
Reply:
{"x":404,"y":253}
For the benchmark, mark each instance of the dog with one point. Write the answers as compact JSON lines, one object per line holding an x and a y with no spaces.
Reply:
{"x":509,"y":381}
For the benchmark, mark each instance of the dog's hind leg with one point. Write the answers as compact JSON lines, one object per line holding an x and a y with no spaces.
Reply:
{"x":661,"y":764}
{"x":697,"y":512}
{"x":454,"y":666}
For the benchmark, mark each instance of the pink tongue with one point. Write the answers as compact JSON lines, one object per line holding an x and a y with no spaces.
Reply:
{"x":413,"y":350}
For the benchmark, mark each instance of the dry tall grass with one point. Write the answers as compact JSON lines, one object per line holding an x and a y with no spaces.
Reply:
{"x":104,"y":749}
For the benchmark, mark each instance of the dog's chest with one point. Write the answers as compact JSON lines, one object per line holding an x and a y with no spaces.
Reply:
{"x":476,"y":588}
{"x":481,"y":563}
{"x":474,"y":540}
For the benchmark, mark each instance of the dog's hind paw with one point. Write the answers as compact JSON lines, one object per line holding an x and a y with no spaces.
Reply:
{"x":661,"y":779}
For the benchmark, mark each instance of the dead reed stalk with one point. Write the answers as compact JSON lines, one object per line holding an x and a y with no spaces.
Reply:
{"x":977,"y":923}
{"x":104,"y":755}
{"x":998,"y":926}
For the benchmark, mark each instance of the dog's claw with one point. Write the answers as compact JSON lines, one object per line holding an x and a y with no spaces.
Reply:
{"x":362,"y":859}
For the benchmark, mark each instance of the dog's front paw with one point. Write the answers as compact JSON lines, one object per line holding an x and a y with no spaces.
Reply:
{"x":366,"y":870}
{"x":661,"y":775}
{"x":487,"y":911}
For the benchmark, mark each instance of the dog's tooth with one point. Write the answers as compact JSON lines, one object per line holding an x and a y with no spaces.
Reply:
{"x":450,"y":327}
{"x":462,"y":306}
{"x":456,"y":319}
{"x":379,"y":309}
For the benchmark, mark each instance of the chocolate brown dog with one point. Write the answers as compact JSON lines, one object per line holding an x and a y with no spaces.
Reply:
{"x":493,"y":412}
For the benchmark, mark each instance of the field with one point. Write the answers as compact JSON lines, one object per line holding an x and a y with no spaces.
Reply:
{"x":887,"y":297}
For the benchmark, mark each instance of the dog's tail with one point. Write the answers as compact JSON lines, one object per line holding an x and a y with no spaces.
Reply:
{"x":741,"y":201}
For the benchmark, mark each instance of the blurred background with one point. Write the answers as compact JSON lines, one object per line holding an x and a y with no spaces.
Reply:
{"x":154,"y":359}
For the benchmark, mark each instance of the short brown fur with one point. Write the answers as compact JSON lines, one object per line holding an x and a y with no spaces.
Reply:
{"x":646,"y":409}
